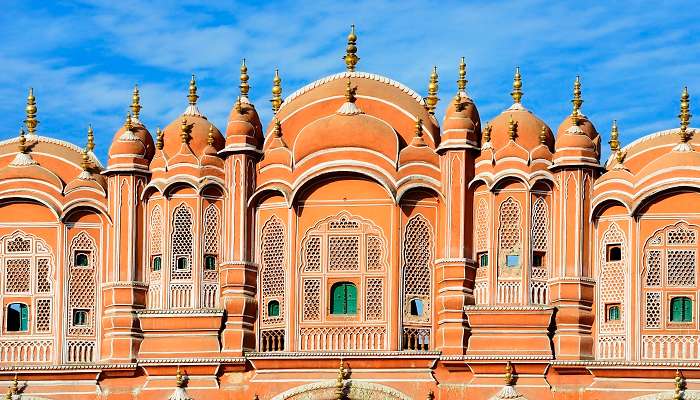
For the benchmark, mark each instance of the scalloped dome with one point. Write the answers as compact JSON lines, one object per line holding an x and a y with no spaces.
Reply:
{"x":464,"y":123}
{"x":528,"y":130}
{"x":244,"y":126}
{"x":198,"y":130}
{"x":142,"y":134}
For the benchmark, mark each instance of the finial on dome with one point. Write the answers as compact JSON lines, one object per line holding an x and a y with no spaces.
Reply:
{"x":678,"y":387}
{"x":517,"y":92}
{"x":276,"y":92}
{"x":159,"y":139}
{"x":486,"y":134}
{"x":22,"y":144}
{"x":184,"y":135}
{"x":244,"y":86}
{"x":432,"y":99}
{"x":14,"y":386}
{"x":192,"y":96}
{"x":614,"y":137}
{"x":85,"y":160}
{"x":22,"y":158}
{"x":512,"y":127}
{"x":277,"y":129}
{"x":136,"y":102}
{"x":8,"y":395}
{"x":128,"y":125}
{"x":90,"y":139}
{"x":31,"y":122}
{"x":419,"y":127}
{"x":462,"y":81}
{"x":210,"y":137}
{"x":238,"y":106}
{"x":509,"y":374}
{"x":350,"y":92}
{"x":577,"y":101}
{"x":543,"y":135}
{"x":685,"y":116}
{"x":351,"y":57}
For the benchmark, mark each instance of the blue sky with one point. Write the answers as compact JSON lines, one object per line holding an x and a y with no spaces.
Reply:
{"x":83,"y":57}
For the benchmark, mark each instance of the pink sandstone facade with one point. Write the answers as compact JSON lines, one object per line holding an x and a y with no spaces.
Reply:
{"x":429,"y":258}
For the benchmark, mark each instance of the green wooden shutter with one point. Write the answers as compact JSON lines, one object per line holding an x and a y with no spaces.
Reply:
{"x":676,"y":310}
{"x":351,"y":298}
{"x":687,"y":310}
{"x":24,"y":321}
{"x":338,"y":299}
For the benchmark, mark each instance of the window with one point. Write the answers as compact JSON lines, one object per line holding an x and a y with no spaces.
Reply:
{"x":417,"y":307}
{"x":344,"y":298}
{"x":182,"y":263}
{"x":614,"y":252}
{"x":613,"y":312}
{"x":156,"y":263}
{"x":81,"y":260}
{"x":681,"y":309}
{"x":210,"y":263}
{"x":17,"y":317}
{"x":512,"y":260}
{"x":538,"y":258}
{"x":273,"y":308}
{"x":80,"y":317}
{"x":483,"y":259}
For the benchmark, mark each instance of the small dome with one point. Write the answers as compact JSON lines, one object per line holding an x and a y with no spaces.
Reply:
{"x":127,"y":147}
{"x":462,"y":120}
{"x":244,"y":124}
{"x":198,"y":131}
{"x":528,"y":129}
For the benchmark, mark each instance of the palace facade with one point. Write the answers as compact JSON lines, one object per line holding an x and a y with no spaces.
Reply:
{"x":428,"y":259}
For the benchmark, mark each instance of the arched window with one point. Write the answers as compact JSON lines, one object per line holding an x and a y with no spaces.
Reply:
{"x":80,"y":317}
{"x":17,"y":317}
{"x":182,"y":263}
{"x":681,"y":309}
{"x":613,"y":312}
{"x":81,"y":260}
{"x":417,"y":307}
{"x":210,"y":263}
{"x":614,"y":252}
{"x":273,"y":308}
{"x":344,"y":298}
{"x":156,"y":263}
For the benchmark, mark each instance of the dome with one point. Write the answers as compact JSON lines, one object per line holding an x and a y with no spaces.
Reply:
{"x":127,"y":147}
{"x":462,"y":120}
{"x":528,"y":129}
{"x":198,"y":130}
{"x":243,"y":124}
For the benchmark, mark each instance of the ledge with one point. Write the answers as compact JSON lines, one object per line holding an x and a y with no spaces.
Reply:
{"x":345,"y":354}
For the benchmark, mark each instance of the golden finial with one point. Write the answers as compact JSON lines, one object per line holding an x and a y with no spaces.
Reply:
{"x":543,"y":135}
{"x":31,"y":122}
{"x":238,"y":106}
{"x":486,"y":134}
{"x":22,"y":141}
{"x":512,"y":128}
{"x":431,"y":100}
{"x":85,"y":162}
{"x":419,"y":127}
{"x":15,"y":385}
{"x":614,"y":137}
{"x":351,"y":57}
{"x":685,"y":116}
{"x":462,"y":81}
{"x":245,"y":87}
{"x":127,"y":123}
{"x":517,"y":92}
{"x":350,"y":92}
{"x":159,"y":139}
{"x":430,"y":396}
{"x":509,"y":374}
{"x":8,"y":395}
{"x":184,"y":135}
{"x":210,"y":137}
{"x":90,"y":139}
{"x":339,"y":395}
{"x":678,"y":390}
{"x":276,"y":92}
{"x":192,"y":96}
{"x":577,"y":101}
{"x":179,"y":378}
{"x":277,"y":130}
{"x":136,"y":102}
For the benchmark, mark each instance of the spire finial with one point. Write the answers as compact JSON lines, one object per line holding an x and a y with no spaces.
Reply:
{"x":136,"y":102}
{"x":339,"y":384}
{"x":210,"y":137}
{"x":180,"y":380}
{"x":614,"y":137}
{"x":350,"y":92}
{"x":432,"y":99}
{"x":85,"y":160}
{"x":517,"y":92}
{"x":277,"y":130}
{"x":276,"y":92}
{"x":509,"y":374}
{"x":238,"y":106}
{"x":31,"y":122}
{"x":90,"y":139}
{"x":22,"y":142}
{"x":685,"y":116}
{"x":512,"y":128}
{"x":184,"y":135}
{"x":351,"y":57}
{"x":543,"y":135}
{"x":419,"y":127}
{"x":159,"y":139}
{"x":244,"y":86}
{"x":127,"y":123}
{"x":14,"y":387}
{"x":678,"y":389}
{"x":577,"y":101}
{"x":486,"y":134}
{"x":462,"y":81}
{"x":192,"y":96}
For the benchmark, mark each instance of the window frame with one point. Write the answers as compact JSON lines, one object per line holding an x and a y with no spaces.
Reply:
{"x":77,"y":311}
{"x":177,"y":263}
{"x":270,"y":304}
{"x":346,"y":299}
{"x":480,"y":257}
{"x":609,"y":249}
{"x":680,"y":297}
{"x":610,"y":307}
{"x":510,"y":257}
{"x":208,"y":257}
{"x":80,"y":253}
{"x":24,"y":318}
{"x":155,"y":258}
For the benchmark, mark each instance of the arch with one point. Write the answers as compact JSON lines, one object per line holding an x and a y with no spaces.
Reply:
{"x":273,"y":259}
{"x":261,"y":192}
{"x":599,"y":206}
{"x":90,"y":205}
{"x":417,"y":268}
{"x":643,"y":198}
{"x":33,"y":196}
{"x":429,"y":184}
{"x":172,"y":186}
{"x":355,"y":390}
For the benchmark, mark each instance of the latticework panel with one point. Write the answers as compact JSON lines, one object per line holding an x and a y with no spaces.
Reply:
{"x":540,"y":225}
{"x":43,"y":316}
{"x":43,"y":279}
{"x":538,"y":292}
{"x":343,"y":338}
{"x":272,"y":255}
{"x":181,"y":295}
{"x":82,"y":284}
{"x":210,"y":295}
{"x":311,"y":310}
{"x":344,"y":253}
{"x":482,"y":226}
{"x":18,"y":245}
{"x":312,"y":254}
{"x":681,"y":268}
{"x":417,"y":257}
{"x":653,"y":310}
{"x":181,"y":242}
{"x":509,"y":231}
{"x":211,"y":230}
{"x":375,"y":253}
{"x":156,"y":233}
{"x":154,"y":296}
{"x":343,"y":223}
{"x":612,"y":280}
{"x":374,"y":308}
{"x":653,"y":272}
{"x":681,"y":235}
{"x":17,"y":275}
